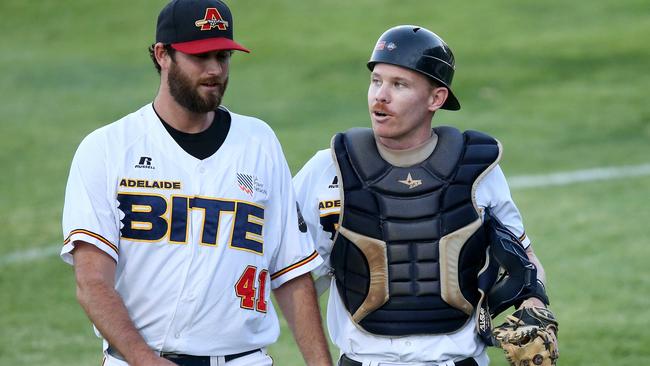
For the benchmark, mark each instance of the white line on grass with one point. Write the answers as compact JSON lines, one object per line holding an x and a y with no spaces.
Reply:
{"x":515,"y":182}
{"x":587,"y":175}
{"x":29,"y":255}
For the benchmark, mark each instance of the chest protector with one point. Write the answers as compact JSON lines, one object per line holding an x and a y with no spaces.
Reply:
{"x":410,"y":241}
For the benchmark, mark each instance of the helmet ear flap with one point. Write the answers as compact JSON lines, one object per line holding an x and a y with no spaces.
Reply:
{"x":421,"y":50}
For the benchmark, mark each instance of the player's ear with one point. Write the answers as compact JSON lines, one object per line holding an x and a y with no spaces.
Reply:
{"x":162,"y":56}
{"x":437,"y":98}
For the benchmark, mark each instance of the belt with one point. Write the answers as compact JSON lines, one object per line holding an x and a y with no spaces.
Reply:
{"x":347,"y":361}
{"x":186,"y":360}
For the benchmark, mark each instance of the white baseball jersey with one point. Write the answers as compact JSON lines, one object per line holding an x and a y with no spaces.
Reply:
{"x":199,"y":244}
{"x":318,"y":195}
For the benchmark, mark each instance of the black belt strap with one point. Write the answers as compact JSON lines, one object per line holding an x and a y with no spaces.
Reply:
{"x":347,"y":361}
{"x":187,"y":360}
{"x":229,"y":358}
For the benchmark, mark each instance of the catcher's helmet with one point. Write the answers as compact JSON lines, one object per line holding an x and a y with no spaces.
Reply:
{"x":418,"y":49}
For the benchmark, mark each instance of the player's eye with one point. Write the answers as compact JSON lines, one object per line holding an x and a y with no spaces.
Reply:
{"x":202,"y":56}
{"x":224,"y":56}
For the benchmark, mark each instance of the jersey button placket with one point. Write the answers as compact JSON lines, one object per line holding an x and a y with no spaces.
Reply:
{"x":181,"y":318}
{"x":197,"y":184}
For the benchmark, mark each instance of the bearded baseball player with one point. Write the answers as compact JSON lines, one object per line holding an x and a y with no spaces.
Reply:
{"x":180,"y":218}
{"x":419,"y":232}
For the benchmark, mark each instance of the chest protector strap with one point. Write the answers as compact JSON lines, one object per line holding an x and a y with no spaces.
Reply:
{"x":411,"y":242}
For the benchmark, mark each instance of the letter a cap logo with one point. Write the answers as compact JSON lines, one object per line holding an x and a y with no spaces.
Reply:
{"x":211,"y":20}
{"x":197,"y":26}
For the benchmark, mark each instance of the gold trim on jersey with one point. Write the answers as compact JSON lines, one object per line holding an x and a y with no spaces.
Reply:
{"x":168,"y":234}
{"x":140,"y":225}
{"x":252,"y":236}
{"x":93,"y":235}
{"x":141,"y":208}
{"x":251,"y":219}
{"x":248,"y":235}
{"x":232,"y":212}
{"x":279,"y":273}
{"x":522,"y":237}
{"x":256,"y":220}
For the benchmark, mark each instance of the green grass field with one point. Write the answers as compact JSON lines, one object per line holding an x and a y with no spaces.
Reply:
{"x":562,"y":85}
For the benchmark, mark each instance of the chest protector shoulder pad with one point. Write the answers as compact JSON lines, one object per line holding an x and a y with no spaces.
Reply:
{"x":410,"y":241}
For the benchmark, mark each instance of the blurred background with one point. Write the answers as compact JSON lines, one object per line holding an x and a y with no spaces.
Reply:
{"x":562,"y":86}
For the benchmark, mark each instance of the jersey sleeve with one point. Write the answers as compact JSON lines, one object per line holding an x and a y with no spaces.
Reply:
{"x":295,"y":254}
{"x":312,"y":179}
{"x":493,"y":192}
{"x":88,"y":214}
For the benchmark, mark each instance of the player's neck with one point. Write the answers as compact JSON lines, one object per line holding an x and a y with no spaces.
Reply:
{"x":410,"y":140}
{"x":411,"y":156}
{"x":179,"y":117}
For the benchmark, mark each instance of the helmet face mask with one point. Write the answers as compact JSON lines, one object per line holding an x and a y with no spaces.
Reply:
{"x":417,"y":49}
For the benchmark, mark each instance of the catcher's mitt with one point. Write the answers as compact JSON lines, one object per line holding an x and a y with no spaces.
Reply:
{"x":529,"y":337}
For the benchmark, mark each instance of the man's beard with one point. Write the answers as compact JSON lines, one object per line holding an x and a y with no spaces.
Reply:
{"x":186,"y":94}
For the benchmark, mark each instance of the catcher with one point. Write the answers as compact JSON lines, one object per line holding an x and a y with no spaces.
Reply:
{"x":405,"y":218}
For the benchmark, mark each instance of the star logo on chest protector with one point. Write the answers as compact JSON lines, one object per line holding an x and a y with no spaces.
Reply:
{"x":409,"y":181}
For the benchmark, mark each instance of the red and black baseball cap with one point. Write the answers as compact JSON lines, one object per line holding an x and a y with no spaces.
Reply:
{"x":197,"y":26}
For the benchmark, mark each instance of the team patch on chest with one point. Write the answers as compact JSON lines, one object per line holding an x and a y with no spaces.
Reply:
{"x":249,"y":184}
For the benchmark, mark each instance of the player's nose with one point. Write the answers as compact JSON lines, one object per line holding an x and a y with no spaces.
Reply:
{"x":382,"y":94}
{"x":214,"y":67}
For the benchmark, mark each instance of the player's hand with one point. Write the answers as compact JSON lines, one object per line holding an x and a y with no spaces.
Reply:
{"x":532,"y":302}
{"x":529,"y":337}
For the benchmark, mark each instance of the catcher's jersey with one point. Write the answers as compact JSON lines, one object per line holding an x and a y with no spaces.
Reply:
{"x":318,"y":195}
{"x":199,"y":244}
